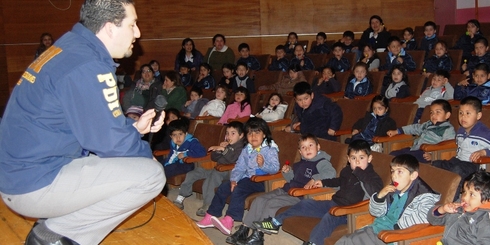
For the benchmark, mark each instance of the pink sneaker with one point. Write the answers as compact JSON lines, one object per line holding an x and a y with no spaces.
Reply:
{"x":224,"y":225}
{"x":206,"y":221}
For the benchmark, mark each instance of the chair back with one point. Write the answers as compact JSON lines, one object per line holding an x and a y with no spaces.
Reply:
{"x":353,"y":110}
{"x":288,"y":146}
{"x":403,"y":113}
{"x":209,"y":134}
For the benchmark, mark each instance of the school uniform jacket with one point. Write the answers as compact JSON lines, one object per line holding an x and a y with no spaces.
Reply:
{"x":434,"y":63}
{"x":482,"y":92}
{"x":477,"y":139}
{"x":392,"y":60}
{"x":362,"y":89}
{"x":429,"y":133}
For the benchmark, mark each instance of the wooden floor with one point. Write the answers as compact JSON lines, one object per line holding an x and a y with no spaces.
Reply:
{"x":170,"y":225}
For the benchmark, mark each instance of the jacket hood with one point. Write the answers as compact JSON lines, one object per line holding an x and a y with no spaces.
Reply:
{"x":321,"y":154}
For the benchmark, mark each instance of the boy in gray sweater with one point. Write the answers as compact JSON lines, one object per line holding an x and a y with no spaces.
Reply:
{"x":440,"y":88}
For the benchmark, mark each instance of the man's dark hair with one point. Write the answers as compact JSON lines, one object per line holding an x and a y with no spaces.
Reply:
{"x":95,"y":13}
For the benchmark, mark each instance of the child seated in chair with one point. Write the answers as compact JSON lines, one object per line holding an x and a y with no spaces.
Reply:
{"x":321,"y":47}
{"x":399,"y":205}
{"x":314,"y":165}
{"x":193,"y":107}
{"x":280,"y":63}
{"x":480,"y":87}
{"x":440,"y":88}
{"x":436,"y":130}
{"x":472,"y":138}
{"x":359,"y":84}
{"x":338,"y":62}
{"x":467,"y":220}
{"x":245,"y":57}
{"x":326,"y":83}
{"x":226,"y":153}
{"x":357,"y":182}
{"x":182,"y":145}
{"x":259,"y":157}
{"x":481,"y":56}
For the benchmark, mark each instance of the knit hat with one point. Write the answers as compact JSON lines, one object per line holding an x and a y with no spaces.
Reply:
{"x":138,"y":110}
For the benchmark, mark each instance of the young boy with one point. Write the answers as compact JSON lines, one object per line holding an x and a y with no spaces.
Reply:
{"x":472,"y":138}
{"x":321,"y":47}
{"x":246,"y":58}
{"x":467,"y":221}
{"x":347,"y":40}
{"x":357,"y":182}
{"x":440,"y":89}
{"x":280,"y":63}
{"x":430,"y":39}
{"x":315,"y":115}
{"x":480,"y":87}
{"x":192,"y":107}
{"x":314,"y":165}
{"x":481,"y":56}
{"x":299,"y":58}
{"x":338,"y":62}
{"x":436,"y":130}
{"x":226,"y":153}
{"x":182,"y":145}
{"x":408,"y":42}
{"x":439,"y":61}
{"x":399,"y":205}
{"x":185,"y":74}
{"x":395,"y":56}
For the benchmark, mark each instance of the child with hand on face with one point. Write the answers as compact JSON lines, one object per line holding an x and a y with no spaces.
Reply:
{"x":408,"y":42}
{"x":370,"y":57}
{"x":280,"y":63}
{"x":300,"y":58}
{"x":359,"y":84}
{"x":481,"y":56}
{"x":467,"y":41}
{"x":205,"y":80}
{"x":226,"y":153}
{"x":321,"y":47}
{"x":436,"y":130}
{"x":228,"y":75}
{"x":215,"y":107}
{"x":480,"y":87}
{"x":399,"y":205}
{"x":193,"y":107}
{"x":467,"y":220}
{"x":259,"y":157}
{"x":326,"y":84}
{"x":291,"y":43}
{"x":293,"y":76}
{"x":314,"y":165}
{"x":398,"y":88}
{"x":338,"y":62}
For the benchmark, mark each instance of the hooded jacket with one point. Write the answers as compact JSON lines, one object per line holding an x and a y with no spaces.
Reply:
{"x":247,"y":166}
{"x":429,"y":133}
{"x":190,"y":148}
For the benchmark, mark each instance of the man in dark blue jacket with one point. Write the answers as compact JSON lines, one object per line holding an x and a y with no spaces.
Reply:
{"x":315,"y":115}
{"x":67,"y":153}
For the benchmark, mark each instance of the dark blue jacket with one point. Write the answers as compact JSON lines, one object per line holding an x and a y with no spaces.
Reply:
{"x":411,"y":44}
{"x":186,"y":79}
{"x":475,"y":60}
{"x":249,"y":83}
{"x":308,"y":64}
{"x":434,"y":63}
{"x":320,"y":49}
{"x":467,"y":44}
{"x":408,"y":62}
{"x":197,"y":59}
{"x":223,"y":83}
{"x":321,"y":115}
{"x":339,"y":65}
{"x":190,"y":148}
{"x":279,"y":65}
{"x":290,"y":50}
{"x":61,"y":109}
{"x":348,"y":48}
{"x":252,"y":62}
{"x":428,"y":44}
{"x":326,"y":87}
{"x":206,"y":83}
{"x":482,"y":92}
{"x":362,"y":89}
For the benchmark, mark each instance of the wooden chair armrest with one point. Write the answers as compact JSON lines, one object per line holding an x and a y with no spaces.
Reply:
{"x":290,"y":93}
{"x":158,"y":153}
{"x":398,"y":137}
{"x":335,"y":95}
{"x":198,"y":159}
{"x":483,"y":160}
{"x":411,"y":232}
{"x":224,"y":167}
{"x":206,"y":118}
{"x":444,"y":145}
{"x":240,"y":119}
{"x":262,"y":178}
{"x":366,"y":97}
{"x":267,"y":91}
{"x":410,"y":98}
{"x":351,"y":209}
{"x":280,"y":122}
{"x":299,"y":192}
{"x":343,"y":132}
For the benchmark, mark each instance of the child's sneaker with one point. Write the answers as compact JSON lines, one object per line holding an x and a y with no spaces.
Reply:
{"x":202,"y":210}
{"x":179,"y":202}
{"x":206,"y":221}
{"x":266,"y":226}
{"x":224,"y":225}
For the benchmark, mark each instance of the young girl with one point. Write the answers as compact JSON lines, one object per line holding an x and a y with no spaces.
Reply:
{"x":205,"y":80}
{"x":193,"y":107}
{"x":467,"y":41}
{"x":291,"y":43}
{"x":259,"y":157}
{"x":239,"y":108}
{"x":45,"y":42}
{"x":370,"y":57}
{"x":408,"y":42}
{"x":242,"y":79}
{"x":299,"y":58}
{"x":228,"y":75}
{"x":326,"y":84}
{"x":274,"y":110}
{"x":398,"y":88}
{"x":216,"y":107}
{"x":359,"y":85}
{"x":376,"y":122}
{"x":294,"y":76}
{"x":227,"y":152}
{"x":439,"y":61}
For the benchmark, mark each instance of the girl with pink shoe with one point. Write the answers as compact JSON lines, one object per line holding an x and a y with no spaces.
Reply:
{"x":259,"y":157}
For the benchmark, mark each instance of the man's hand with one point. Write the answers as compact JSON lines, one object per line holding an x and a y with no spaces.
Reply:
{"x":143,"y":125}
